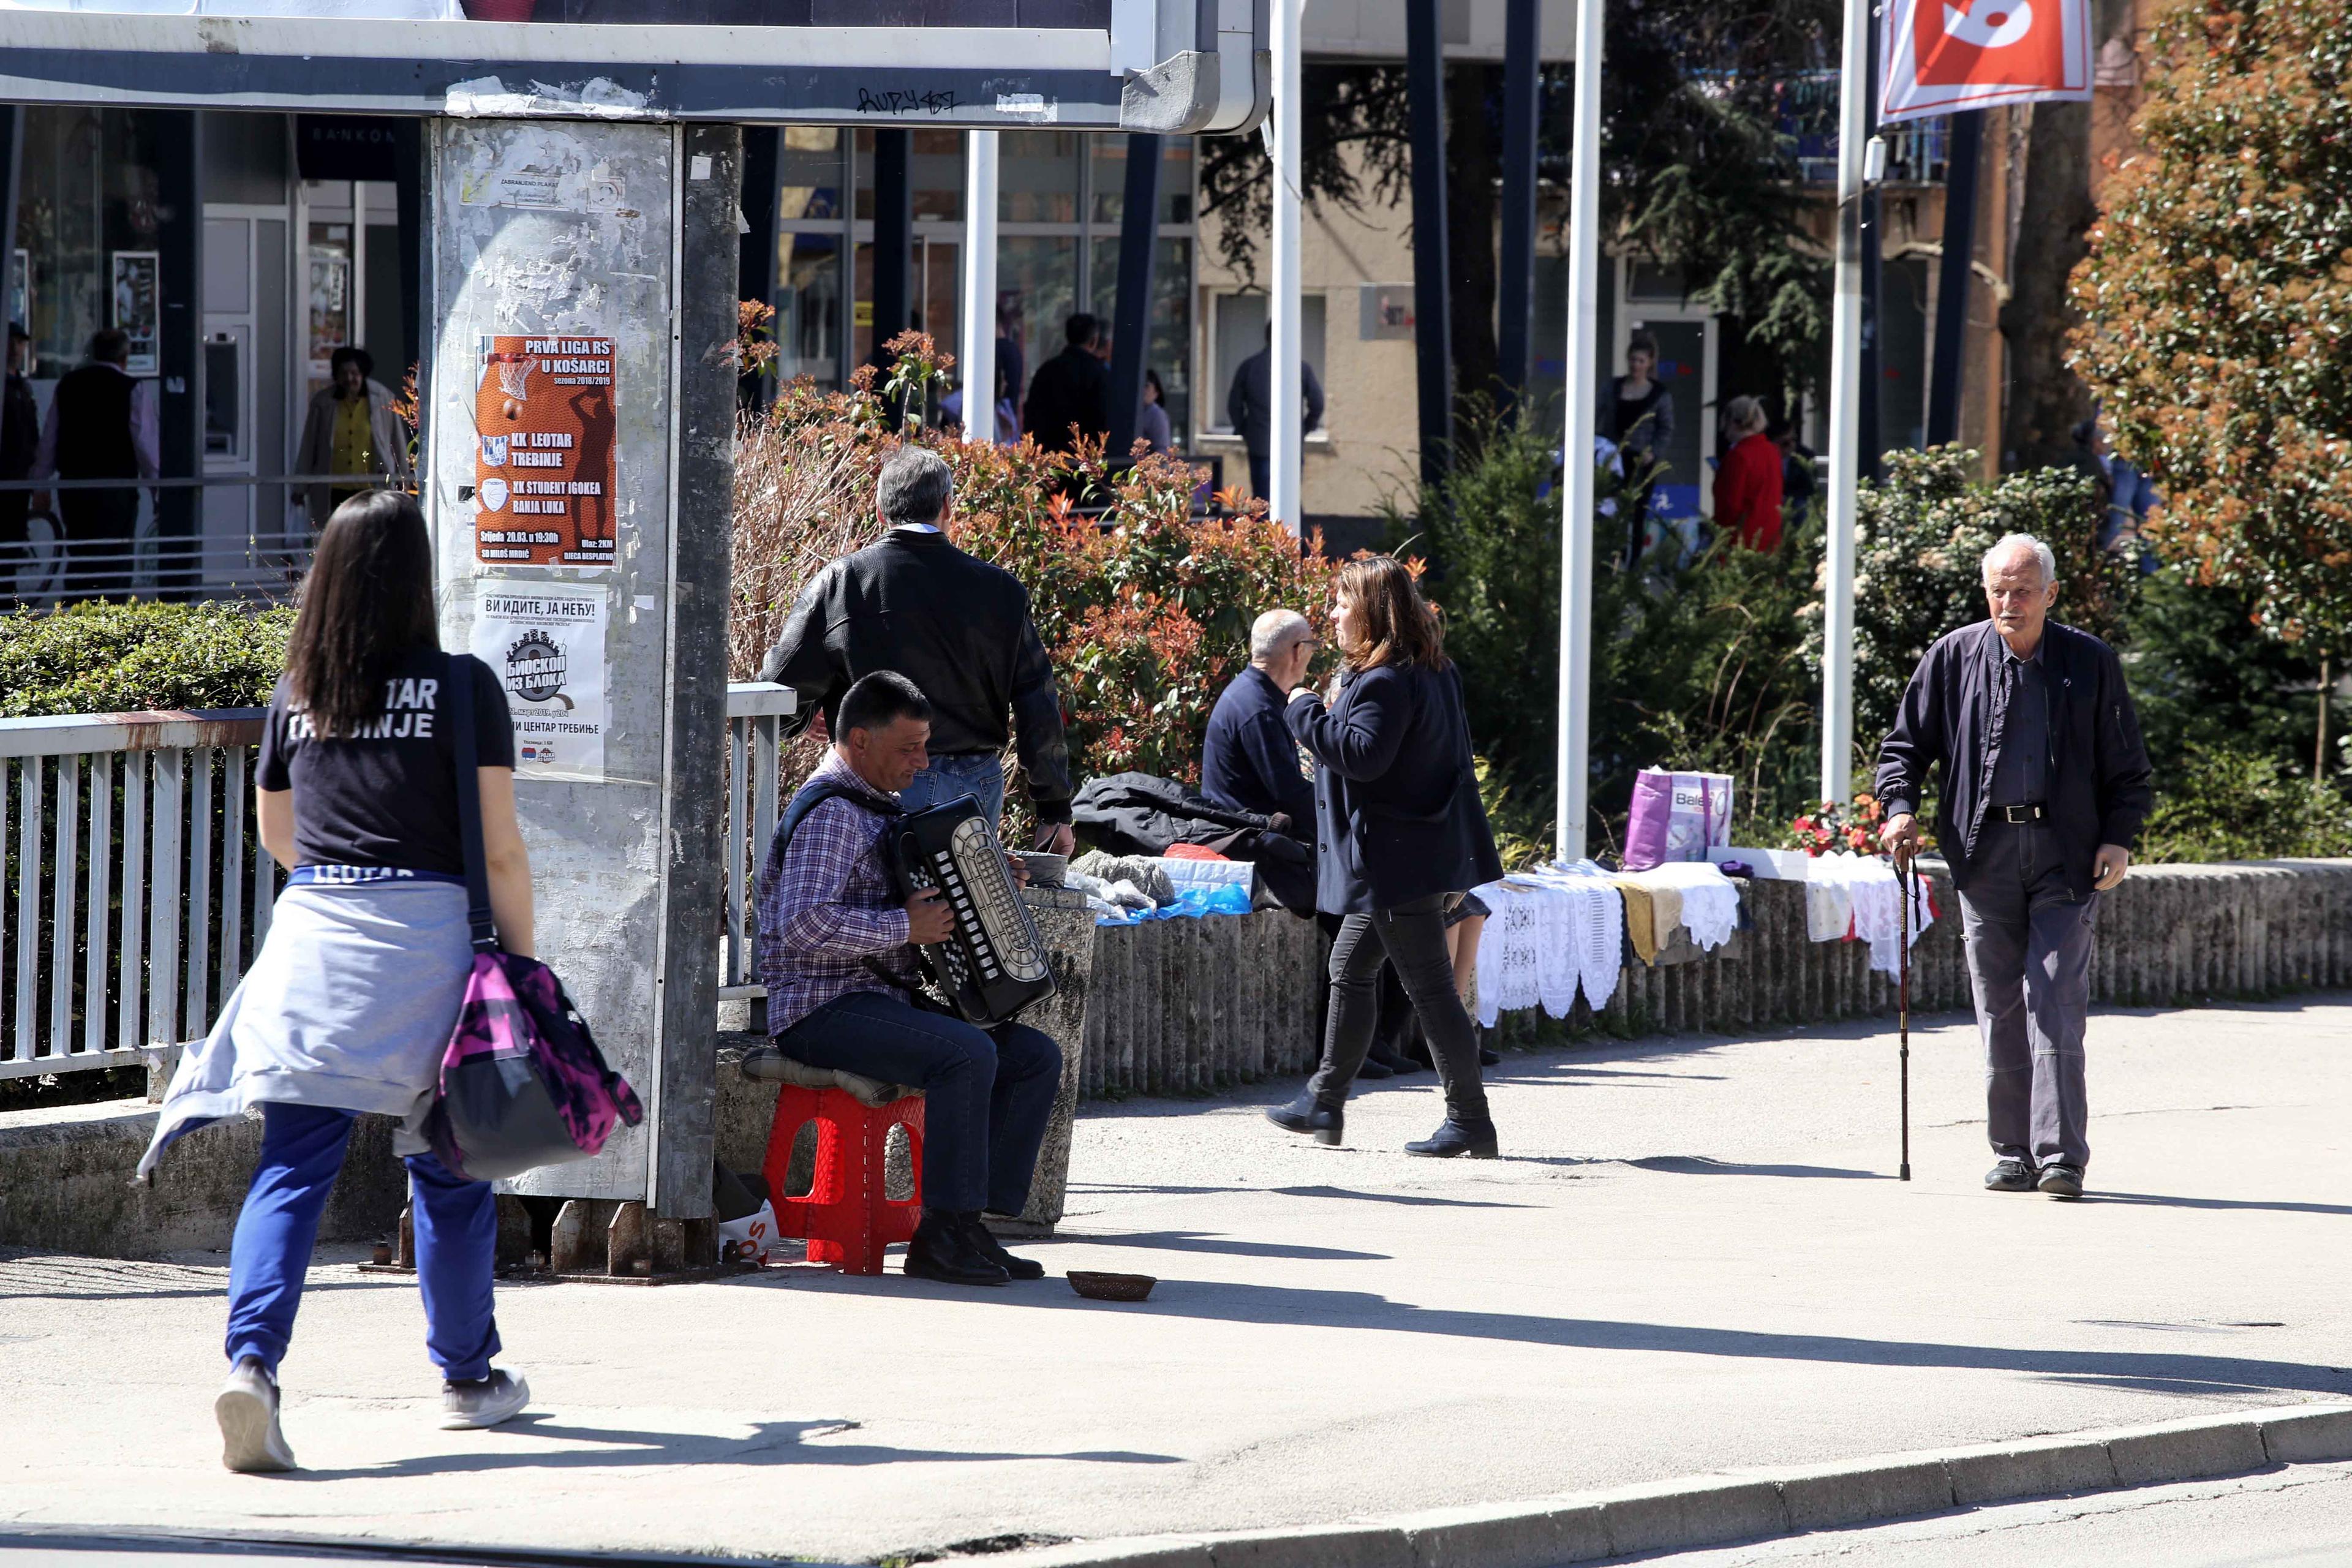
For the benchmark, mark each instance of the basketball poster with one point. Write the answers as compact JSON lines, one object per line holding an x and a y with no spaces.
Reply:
{"x":544,"y":452}
{"x":1941,"y":57}
{"x":545,"y":642}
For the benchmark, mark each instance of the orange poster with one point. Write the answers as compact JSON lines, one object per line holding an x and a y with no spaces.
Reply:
{"x":543,"y":461}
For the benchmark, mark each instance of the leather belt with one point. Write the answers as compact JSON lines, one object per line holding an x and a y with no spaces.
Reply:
{"x":2020,"y":815}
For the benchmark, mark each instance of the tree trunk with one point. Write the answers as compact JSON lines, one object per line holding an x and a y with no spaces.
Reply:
{"x":2045,"y":400}
{"x":1473,"y":167}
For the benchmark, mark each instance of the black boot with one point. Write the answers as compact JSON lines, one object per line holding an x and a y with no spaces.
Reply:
{"x":1303,"y":1115}
{"x":1372,"y":1068}
{"x":983,"y":1241}
{"x":942,"y":1251}
{"x":1397,"y":1066}
{"x":1454,"y":1139}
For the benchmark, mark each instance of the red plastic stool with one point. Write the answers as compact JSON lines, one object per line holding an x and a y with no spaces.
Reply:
{"x":846,"y":1217}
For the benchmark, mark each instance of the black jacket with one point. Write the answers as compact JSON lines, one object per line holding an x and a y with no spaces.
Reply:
{"x":2098,"y":788}
{"x":1071,"y":388}
{"x":1143,"y":813}
{"x":1249,"y":402}
{"x":1248,"y":760}
{"x":1397,"y":805}
{"x":956,"y":626}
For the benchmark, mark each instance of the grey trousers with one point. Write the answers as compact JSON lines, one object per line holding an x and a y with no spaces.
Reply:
{"x":2030,"y":964}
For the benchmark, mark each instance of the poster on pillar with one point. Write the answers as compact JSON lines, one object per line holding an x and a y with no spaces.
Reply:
{"x":1940,"y":56}
{"x":545,"y":452}
{"x":546,"y":645}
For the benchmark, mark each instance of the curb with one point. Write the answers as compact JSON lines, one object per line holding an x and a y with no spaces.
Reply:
{"x":1715,"y":1510}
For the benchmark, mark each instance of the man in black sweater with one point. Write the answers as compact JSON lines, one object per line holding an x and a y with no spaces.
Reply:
{"x":959,"y":629}
{"x":1071,"y":394}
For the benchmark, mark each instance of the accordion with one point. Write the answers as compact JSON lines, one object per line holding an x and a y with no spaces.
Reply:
{"x":993,"y":962}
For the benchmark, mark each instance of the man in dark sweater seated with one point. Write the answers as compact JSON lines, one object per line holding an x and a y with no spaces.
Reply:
{"x":1249,"y":763}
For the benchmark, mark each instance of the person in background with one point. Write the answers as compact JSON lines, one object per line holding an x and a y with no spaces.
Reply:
{"x":351,"y":429}
{"x":20,"y":436}
{"x":2125,"y":495}
{"x":2045,"y":788}
{"x":349,"y":1006}
{"x":1069,"y":397}
{"x":1642,"y":422}
{"x":1152,"y":423}
{"x":1402,"y":832}
{"x":1249,"y":405}
{"x":1249,"y":761}
{"x":1799,"y":482}
{"x":959,"y":629}
{"x":1012,"y":360}
{"x":102,"y":426}
{"x":1008,"y":427}
{"x":1747,"y":482}
{"x":837,"y":954}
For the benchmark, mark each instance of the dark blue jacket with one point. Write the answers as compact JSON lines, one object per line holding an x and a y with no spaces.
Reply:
{"x":1249,"y":763}
{"x":1396,"y":803}
{"x":2098,"y":790}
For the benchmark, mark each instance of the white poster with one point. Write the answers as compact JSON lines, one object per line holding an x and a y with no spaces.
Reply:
{"x":546,"y":644}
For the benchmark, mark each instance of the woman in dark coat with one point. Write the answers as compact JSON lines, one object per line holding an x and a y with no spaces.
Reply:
{"x":1402,"y":830}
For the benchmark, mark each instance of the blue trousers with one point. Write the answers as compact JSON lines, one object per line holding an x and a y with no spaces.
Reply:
{"x":987,"y":1094}
{"x":456,"y":1222}
{"x":980,"y":774}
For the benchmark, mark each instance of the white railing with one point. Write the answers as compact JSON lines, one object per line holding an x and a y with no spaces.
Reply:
{"x":135,"y":892}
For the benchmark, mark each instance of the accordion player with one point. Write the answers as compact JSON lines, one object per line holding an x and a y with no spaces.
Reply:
{"x":993,"y":962}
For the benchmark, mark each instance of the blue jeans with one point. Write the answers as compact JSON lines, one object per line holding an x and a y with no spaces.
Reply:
{"x":987,"y":1094}
{"x":456,"y":1222}
{"x":979,"y":775}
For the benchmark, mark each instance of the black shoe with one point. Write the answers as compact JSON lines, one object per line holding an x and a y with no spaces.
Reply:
{"x":1489,"y":1058}
{"x":2009,"y":1176}
{"x":2061,"y":1181}
{"x":1370,"y":1071}
{"x":1303,"y":1115}
{"x":983,"y":1242}
{"x":1454,"y":1139}
{"x":1395,"y":1065}
{"x":942,"y":1251}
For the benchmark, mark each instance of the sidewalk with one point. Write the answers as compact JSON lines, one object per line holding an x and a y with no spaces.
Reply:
{"x":1695,"y":1259}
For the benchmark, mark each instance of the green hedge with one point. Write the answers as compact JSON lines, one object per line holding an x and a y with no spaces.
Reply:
{"x":120,"y":659}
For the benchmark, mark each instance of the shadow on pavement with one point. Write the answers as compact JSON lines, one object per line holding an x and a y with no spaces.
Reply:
{"x":771,"y":1442}
{"x":2160,"y":1200}
{"x":1207,"y":1241}
{"x":1701,"y":1165}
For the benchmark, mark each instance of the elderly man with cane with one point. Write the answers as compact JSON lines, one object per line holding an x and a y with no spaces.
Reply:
{"x":2046,"y":785}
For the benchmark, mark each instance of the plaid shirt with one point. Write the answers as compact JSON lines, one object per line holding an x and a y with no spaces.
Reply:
{"x":827,"y":907}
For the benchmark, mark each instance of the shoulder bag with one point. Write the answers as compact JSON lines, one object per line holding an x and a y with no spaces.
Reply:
{"x":522,"y":1084}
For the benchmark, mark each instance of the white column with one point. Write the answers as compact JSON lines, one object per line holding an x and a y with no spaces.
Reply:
{"x":1845,"y":412}
{"x":1287,"y":391}
{"x":977,"y":354}
{"x":1584,"y":264}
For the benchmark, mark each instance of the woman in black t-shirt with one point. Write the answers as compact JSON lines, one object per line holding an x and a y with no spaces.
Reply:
{"x":349,"y":1004}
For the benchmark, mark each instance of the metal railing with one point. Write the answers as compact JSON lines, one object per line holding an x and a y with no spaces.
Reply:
{"x":136,"y":892}
{"x":755,"y":716}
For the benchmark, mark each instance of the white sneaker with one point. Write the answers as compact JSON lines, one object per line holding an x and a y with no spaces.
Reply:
{"x":483,"y":1403}
{"x":247,"y":1409}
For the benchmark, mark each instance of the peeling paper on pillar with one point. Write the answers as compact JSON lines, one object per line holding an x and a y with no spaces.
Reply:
{"x":555,"y":242}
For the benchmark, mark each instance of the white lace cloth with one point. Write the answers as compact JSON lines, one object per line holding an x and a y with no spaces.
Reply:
{"x":1554,"y":930}
{"x":1857,"y":895}
{"x":1710,"y":900}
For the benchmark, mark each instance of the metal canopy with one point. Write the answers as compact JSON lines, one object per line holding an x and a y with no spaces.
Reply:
{"x":1172,"y":66}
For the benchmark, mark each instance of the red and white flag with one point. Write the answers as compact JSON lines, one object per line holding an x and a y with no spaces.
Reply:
{"x":1941,"y":56}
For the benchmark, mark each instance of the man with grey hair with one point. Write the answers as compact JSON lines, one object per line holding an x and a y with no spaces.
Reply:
{"x":2046,"y":785}
{"x":1248,"y":761}
{"x":957,"y":627}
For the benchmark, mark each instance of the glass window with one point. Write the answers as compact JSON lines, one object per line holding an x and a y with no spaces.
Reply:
{"x":1172,"y":324}
{"x":1237,"y":323}
{"x":1107,"y":195}
{"x":87,"y":197}
{"x":808,"y":169}
{"x":1037,"y":176}
{"x":808,"y":308}
{"x":332,"y":324}
{"x":937,"y":175}
{"x":1036,"y":290}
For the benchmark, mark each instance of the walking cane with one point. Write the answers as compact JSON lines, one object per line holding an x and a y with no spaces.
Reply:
{"x":1905,"y":879}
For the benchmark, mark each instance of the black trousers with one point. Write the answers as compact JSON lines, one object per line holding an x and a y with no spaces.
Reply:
{"x":98,"y":529}
{"x":1412,"y":937}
